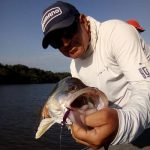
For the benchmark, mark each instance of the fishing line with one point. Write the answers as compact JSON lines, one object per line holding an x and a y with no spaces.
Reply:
{"x":60,"y":137}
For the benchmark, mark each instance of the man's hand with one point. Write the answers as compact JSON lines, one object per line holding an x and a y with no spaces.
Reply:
{"x":104,"y":127}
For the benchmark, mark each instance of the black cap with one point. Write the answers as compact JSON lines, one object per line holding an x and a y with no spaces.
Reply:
{"x":56,"y":16}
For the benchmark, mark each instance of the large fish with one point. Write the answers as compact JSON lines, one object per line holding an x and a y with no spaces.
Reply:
{"x":68,"y":103}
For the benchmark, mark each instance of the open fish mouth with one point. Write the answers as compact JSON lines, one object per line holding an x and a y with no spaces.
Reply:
{"x":87,"y":98}
{"x":82,"y":103}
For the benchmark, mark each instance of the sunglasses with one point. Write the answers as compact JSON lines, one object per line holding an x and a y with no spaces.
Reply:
{"x":55,"y":38}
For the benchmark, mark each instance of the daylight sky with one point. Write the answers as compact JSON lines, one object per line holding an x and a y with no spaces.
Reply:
{"x":21,"y":34}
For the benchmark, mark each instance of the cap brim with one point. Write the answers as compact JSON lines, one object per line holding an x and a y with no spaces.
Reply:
{"x":60,"y":25}
{"x":141,"y":29}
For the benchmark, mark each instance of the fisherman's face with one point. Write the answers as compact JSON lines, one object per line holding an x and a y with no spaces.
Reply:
{"x":78,"y":44}
{"x":74,"y":43}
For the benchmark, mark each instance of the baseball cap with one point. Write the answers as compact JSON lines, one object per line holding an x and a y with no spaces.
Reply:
{"x":136,"y":24}
{"x":57,"y":16}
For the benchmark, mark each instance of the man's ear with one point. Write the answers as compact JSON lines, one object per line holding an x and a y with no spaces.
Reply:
{"x":84,"y":21}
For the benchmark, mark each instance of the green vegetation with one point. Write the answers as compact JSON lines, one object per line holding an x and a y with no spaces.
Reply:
{"x":21,"y":74}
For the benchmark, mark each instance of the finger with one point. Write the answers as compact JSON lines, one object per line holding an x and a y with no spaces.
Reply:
{"x":78,"y":131}
{"x":75,"y":128}
{"x":99,"y":118}
{"x":95,"y":119}
{"x":96,"y":134}
{"x":87,"y":138}
{"x":94,"y":138}
{"x":82,"y":135}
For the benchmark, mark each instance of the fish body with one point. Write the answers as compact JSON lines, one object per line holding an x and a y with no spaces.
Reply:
{"x":69,"y":102}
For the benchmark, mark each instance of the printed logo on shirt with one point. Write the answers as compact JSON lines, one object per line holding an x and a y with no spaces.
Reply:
{"x":144,"y":72}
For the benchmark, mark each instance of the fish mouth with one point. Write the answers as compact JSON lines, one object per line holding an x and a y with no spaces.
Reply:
{"x":82,"y":103}
{"x":87,"y":98}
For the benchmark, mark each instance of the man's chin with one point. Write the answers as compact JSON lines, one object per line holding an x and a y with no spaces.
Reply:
{"x":77,"y":54}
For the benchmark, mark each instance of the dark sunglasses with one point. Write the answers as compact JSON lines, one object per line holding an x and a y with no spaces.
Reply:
{"x":55,"y":38}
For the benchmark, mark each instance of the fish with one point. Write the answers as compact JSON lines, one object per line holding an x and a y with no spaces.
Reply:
{"x":69,"y":102}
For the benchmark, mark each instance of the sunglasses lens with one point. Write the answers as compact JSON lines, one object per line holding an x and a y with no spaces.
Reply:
{"x":56,"y":37}
{"x":55,"y":40}
{"x":70,"y":31}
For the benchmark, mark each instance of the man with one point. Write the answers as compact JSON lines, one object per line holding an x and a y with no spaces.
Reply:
{"x":108,"y":56}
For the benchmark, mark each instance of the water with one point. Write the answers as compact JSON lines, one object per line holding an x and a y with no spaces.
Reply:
{"x":20,"y":107}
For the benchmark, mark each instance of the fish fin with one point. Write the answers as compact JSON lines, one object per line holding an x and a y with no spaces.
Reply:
{"x":45,"y":124}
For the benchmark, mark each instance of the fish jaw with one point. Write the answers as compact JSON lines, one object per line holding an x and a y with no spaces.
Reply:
{"x":45,"y":124}
{"x":79,"y":112}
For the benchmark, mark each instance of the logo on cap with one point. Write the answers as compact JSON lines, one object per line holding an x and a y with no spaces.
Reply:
{"x":49,"y":16}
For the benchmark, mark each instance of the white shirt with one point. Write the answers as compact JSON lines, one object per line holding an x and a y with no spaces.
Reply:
{"x":118,"y":66}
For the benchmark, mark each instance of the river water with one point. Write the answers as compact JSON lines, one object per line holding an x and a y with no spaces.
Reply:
{"x":20,"y":107}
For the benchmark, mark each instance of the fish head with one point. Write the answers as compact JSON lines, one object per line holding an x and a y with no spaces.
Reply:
{"x":56,"y":106}
{"x":62,"y":96}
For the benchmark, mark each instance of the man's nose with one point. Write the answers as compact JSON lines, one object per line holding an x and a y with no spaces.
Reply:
{"x":66,"y":42}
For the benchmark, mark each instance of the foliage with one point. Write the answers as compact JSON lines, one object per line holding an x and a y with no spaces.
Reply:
{"x":21,"y":74}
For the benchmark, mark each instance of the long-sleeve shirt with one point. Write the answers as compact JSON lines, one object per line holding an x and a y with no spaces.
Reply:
{"x":116,"y":64}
